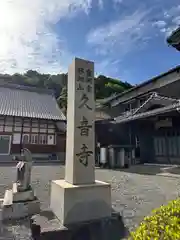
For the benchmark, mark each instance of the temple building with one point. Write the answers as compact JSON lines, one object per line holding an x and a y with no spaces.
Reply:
{"x":31,"y":118}
{"x":143,"y":125}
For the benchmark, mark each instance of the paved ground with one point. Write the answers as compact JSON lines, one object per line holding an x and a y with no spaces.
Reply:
{"x":133,"y":195}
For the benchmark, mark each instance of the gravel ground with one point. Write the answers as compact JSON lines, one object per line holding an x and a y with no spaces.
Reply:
{"x":133,"y":195}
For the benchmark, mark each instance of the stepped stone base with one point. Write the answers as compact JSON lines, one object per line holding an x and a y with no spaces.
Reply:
{"x":17,"y":205}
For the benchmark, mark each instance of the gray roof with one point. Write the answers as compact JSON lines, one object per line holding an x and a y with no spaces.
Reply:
{"x":154,"y":112}
{"x":154,"y":79}
{"x":22,"y":101}
{"x":157,"y":99}
{"x":174,"y":38}
{"x":170,"y":104}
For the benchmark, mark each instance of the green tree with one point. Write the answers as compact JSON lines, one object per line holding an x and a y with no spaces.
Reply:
{"x":104,"y":86}
{"x":62,"y":99}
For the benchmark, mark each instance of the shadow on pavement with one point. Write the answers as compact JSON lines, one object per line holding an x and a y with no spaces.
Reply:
{"x":48,"y":227}
{"x":112,"y":228}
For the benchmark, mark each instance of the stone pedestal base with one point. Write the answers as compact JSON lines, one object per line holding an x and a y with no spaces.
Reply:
{"x":80,"y":203}
{"x":17,"y":205}
{"x":102,"y":229}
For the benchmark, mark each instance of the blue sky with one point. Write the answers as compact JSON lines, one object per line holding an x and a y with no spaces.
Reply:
{"x":125,"y":39}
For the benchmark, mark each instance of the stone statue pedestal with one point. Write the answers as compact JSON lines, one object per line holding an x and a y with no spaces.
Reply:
{"x":80,"y":203}
{"x":19,"y":204}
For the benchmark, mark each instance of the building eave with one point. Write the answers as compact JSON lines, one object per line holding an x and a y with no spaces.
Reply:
{"x":174,"y":39}
{"x":148,"y":85}
{"x":156,"y":99}
{"x":158,"y":111}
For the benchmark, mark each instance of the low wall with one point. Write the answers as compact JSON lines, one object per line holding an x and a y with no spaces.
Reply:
{"x":59,"y":157}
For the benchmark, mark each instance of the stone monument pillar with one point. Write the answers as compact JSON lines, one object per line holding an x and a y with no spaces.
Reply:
{"x":79,"y":197}
{"x":80,"y":147}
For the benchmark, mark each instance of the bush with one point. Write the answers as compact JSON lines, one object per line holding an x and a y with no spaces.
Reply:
{"x":163,"y":224}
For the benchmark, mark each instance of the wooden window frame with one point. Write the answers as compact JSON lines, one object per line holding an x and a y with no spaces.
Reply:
{"x":32,"y":139}
{"x":10,"y":140}
{"x":46,"y":140}
{"x":23,"y":135}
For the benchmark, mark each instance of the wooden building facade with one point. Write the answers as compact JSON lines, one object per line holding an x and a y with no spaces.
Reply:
{"x":146,"y":120}
{"x":31,"y":118}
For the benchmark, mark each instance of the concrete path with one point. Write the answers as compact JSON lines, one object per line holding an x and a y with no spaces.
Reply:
{"x":134,"y":194}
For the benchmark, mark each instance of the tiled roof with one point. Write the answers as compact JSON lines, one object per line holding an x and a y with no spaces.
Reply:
{"x":170,"y":104}
{"x":156,"y":98}
{"x":150,"y":113}
{"x":29,"y":102}
{"x":174,"y":38}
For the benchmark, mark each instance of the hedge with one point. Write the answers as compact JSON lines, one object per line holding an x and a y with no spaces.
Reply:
{"x":162,"y":224}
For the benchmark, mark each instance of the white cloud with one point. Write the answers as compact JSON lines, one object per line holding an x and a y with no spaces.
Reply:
{"x":114,"y":41}
{"x":27,"y":40}
{"x":176,"y":20}
{"x":102,"y":67}
{"x":121,"y":36}
{"x":171,"y":20}
{"x":172,"y":12}
{"x":160,"y":24}
{"x":117,"y":1}
{"x":101,"y":4}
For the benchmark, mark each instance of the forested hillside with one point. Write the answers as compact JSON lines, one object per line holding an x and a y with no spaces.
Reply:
{"x":104,"y":86}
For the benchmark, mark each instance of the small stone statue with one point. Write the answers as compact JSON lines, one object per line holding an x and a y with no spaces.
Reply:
{"x":24,"y":167}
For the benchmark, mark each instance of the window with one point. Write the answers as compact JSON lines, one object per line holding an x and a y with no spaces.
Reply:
{"x":16,"y":138}
{"x":9,"y":121}
{"x":50,"y":125}
{"x":35,"y":123}
{"x":51,"y":130}
{"x":51,"y":139}
{"x":25,"y":138}
{"x":43,"y":139}
{"x":27,"y":123}
{"x":42,"y":130}
{"x":43,"y":125}
{"x":5,"y":142}
{"x":26,"y":129}
{"x":8,"y":129}
{"x":18,"y":124}
{"x":34,"y":139}
{"x":17,"y":129}
{"x":35,"y":130}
